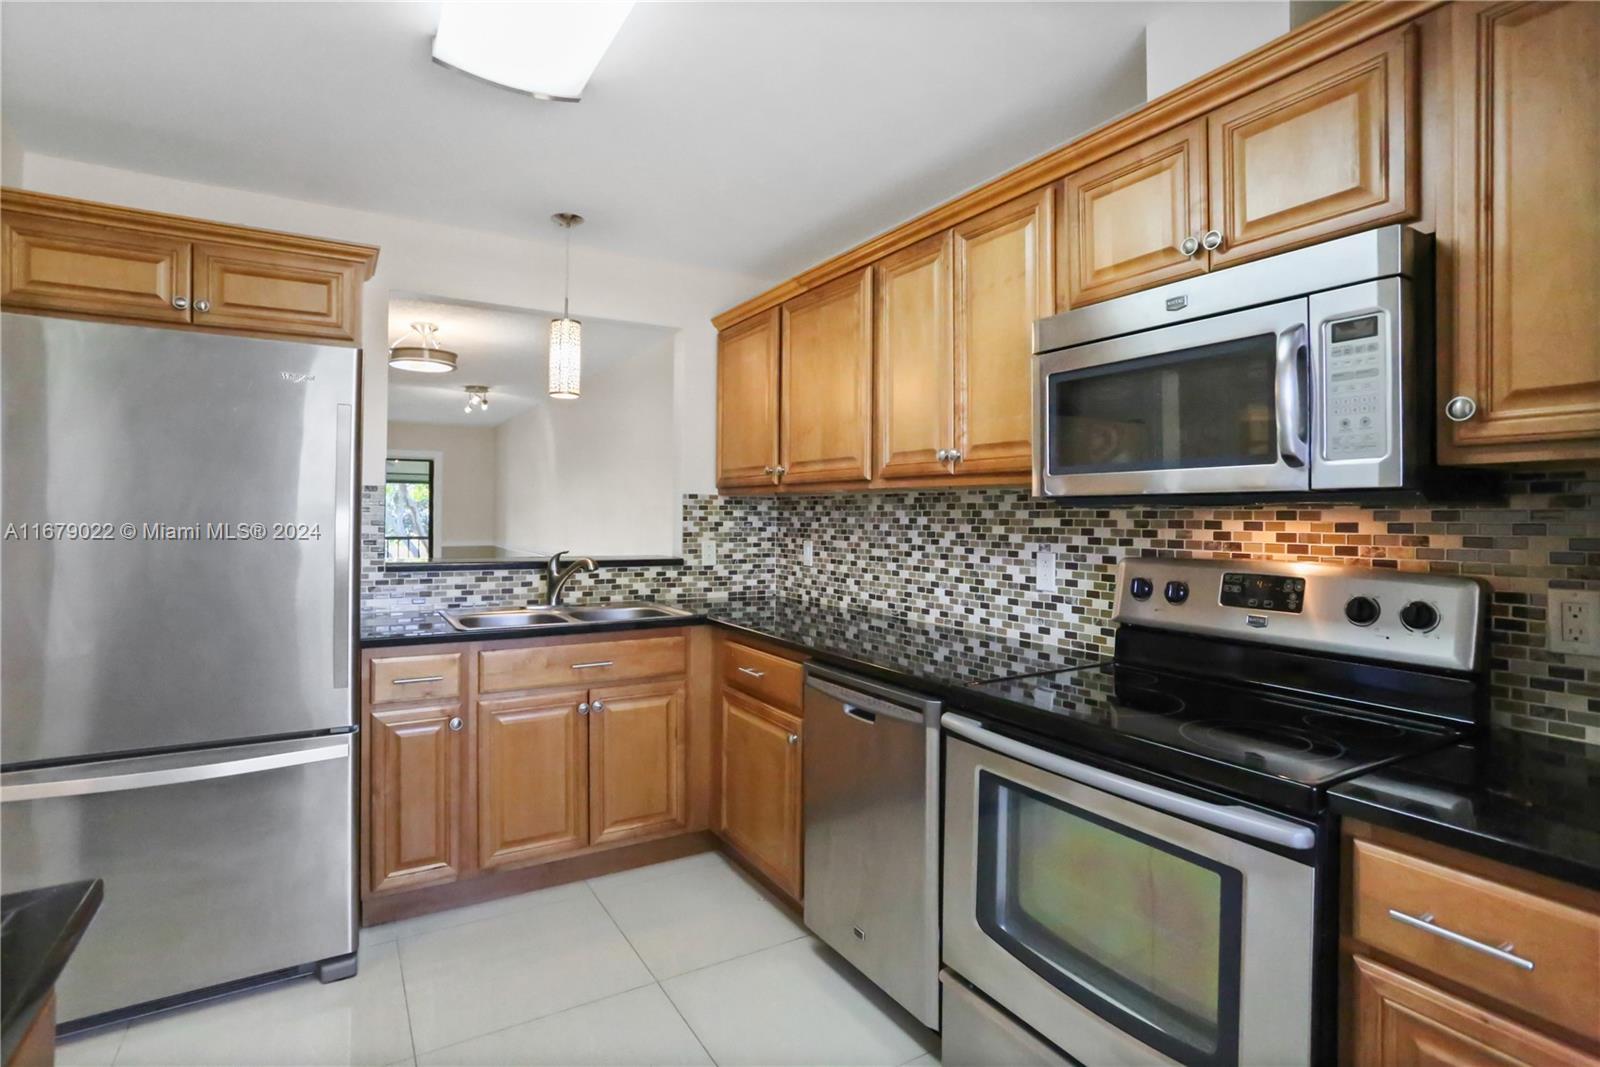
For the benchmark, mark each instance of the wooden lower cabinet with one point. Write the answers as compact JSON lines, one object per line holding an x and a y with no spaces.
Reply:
{"x":415,"y":761}
{"x":533,"y":777}
{"x":1401,"y":1021}
{"x":760,"y":812}
{"x":637,"y":761}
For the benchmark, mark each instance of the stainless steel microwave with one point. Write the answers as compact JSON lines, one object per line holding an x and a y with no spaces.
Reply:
{"x":1302,"y":372}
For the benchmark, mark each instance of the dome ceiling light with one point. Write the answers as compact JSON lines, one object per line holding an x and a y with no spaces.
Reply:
{"x":545,"y":50}
{"x":424,"y":355}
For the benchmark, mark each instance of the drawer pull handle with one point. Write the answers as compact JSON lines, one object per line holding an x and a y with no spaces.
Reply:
{"x":752,"y":672}
{"x":596,"y":663}
{"x":419,"y":681}
{"x":1425,"y":921}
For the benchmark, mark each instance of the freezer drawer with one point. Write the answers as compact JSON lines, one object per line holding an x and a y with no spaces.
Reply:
{"x":219,"y":865}
{"x":871,"y":790}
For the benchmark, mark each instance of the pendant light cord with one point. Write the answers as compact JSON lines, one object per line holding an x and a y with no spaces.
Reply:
{"x":566,"y":284}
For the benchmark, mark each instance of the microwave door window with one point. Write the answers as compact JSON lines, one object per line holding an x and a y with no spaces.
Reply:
{"x":1211,"y":406}
{"x":1138,"y":931}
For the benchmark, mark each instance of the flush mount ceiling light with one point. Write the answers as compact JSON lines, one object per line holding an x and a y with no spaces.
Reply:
{"x":546,"y":50}
{"x":566,"y":333}
{"x":477,"y":398}
{"x":424,"y":355}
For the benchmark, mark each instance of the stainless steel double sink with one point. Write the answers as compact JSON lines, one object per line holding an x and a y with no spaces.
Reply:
{"x":536,"y":618}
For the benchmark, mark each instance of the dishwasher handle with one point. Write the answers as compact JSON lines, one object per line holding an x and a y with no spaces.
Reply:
{"x":866,"y":707}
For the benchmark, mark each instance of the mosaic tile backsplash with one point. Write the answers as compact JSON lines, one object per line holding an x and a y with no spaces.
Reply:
{"x":968,"y":557}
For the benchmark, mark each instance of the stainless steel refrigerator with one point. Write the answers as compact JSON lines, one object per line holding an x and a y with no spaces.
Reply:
{"x":176,"y":623}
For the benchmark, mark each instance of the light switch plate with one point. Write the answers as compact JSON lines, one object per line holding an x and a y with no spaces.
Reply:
{"x":1044,"y":569}
{"x":1573,"y":622}
{"x":708,"y":552}
{"x":808,"y":554}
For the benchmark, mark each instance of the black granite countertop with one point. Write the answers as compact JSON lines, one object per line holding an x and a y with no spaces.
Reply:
{"x":39,"y":930}
{"x":936,"y":656}
{"x":1524,"y":799}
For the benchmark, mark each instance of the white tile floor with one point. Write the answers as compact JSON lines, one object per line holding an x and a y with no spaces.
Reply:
{"x":686,"y":962}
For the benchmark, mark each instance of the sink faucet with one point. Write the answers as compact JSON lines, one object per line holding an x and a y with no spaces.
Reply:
{"x":556,"y":576}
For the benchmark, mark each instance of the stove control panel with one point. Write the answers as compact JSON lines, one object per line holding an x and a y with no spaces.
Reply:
{"x":1423,"y":619}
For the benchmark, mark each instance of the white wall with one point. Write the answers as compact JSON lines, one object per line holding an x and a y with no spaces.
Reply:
{"x":586,"y":475}
{"x":1188,"y":40}
{"x":466,"y":461}
{"x":446,"y":261}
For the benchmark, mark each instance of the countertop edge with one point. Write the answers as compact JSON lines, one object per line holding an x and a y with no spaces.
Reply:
{"x":40,"y":980}
{"x":1498,"y":849}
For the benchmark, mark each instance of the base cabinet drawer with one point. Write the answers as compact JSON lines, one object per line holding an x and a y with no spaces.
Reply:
{"x":415,"y":678}
{"x":1513,"y":946}
{"x":760,"y":813}
{"x":1401,"y":1021}
{"x":586,"y":663}
{"x":767,"y":677}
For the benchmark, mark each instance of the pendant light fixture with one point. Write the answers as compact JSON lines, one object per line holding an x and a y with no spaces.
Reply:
{"x":566,"y":333}
{"x":477,"y":398}
{"x":423,"y":355}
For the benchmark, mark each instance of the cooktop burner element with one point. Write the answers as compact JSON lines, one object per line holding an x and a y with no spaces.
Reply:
{"x":1274,"y":710}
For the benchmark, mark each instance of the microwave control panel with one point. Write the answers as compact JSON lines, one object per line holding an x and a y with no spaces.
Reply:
{"x":1355,"y":389}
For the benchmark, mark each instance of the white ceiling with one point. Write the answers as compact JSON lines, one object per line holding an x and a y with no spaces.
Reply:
{"x":753,"y":137}
{"x":507,"y":349}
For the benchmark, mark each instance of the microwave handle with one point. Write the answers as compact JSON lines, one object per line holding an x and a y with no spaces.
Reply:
{"x":1290,"y":395}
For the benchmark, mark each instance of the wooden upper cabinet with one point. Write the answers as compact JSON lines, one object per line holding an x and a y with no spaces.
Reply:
{"x":533,"y":777}
{"x":415,"y":814}
{"x":1330,"y":150}
{"x":747,"y":401}
{"x":264,"y":290}
{"x":761,"y":812}
{"x":1002,"y":282}
{"x":82,"y":268}
{"x":1527,"y":232}
{"x":826,"y":421}
{"x":1123,"y":219}
{"x":637,"y":761}
{"x":915,"y":360}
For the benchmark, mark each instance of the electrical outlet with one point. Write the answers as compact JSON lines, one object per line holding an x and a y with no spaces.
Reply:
{"x":1573,"y":623}
{"x":808,"y":554}
{"x":1044,"y":569}
{"x":708,"y":552}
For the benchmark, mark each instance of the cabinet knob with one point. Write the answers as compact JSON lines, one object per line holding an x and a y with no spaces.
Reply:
{"x":943,"y":455}
{"x":780,"y":471}
{"x":769,"y":470}
{"x":583,"y":709}
{"x":456,"y":724}
{"x":1212,"y":240}
{"x":1460,"y":408}
{"x":794,"y":739}
{"x":180,"y":302}
{"x":1189,"y":245}
{"x":202,"y":305}
{"x":597,"y":706}
{"x":954,"y":456}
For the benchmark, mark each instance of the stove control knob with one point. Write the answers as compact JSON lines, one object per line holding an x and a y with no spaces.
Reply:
{"x":1362,"y":610}
{"x":1141,"y":588}
{"x":1177,"y":592}
{"x":1420,"y":616}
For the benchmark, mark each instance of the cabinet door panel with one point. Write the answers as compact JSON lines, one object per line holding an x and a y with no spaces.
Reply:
{"x":826,"y":422}
{"x":1002,"y":284}
{"x":56,"y":265}
{"x":637,"y":760}
{"x":747,"y":401}
{"x":415,"y":781}
{"x":533,"y":788}
{"x":269,"y":291}
{"x":760,"y":813}
{"x":915,"y":361}
{"x":1123,"y":218}
{"x":1528,"y":233}
{"x":1400,"y":1021}
{"x":1329,"y":150}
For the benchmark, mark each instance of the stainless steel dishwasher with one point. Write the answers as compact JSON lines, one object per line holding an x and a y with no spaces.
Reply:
{"x":872,"y":832}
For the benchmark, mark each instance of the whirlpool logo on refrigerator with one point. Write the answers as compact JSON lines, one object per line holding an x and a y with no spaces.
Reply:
{"x":295,"y":377}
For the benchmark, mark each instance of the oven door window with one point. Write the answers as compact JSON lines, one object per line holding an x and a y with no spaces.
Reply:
{"x":1144,"y":934}
{"x":1211,"y":406}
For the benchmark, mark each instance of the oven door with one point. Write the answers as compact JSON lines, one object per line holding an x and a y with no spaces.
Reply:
{"x":1111,"y":917}
{"x":1214,"y":406}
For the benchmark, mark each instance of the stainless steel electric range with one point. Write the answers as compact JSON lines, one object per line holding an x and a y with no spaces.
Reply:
{"x":1138,"y":863}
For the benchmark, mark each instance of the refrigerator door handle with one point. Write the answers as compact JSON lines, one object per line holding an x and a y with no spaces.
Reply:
{"x":344,"y":448}
{"x":148,"y":772}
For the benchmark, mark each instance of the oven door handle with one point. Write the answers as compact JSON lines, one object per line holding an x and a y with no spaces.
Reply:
{"x":1231,"y":817}
{"x":1290,"y":395}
